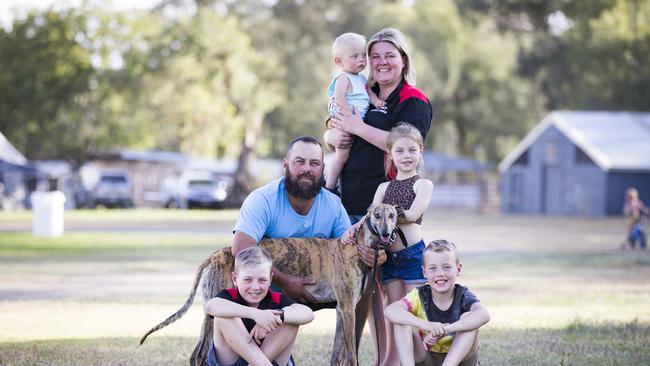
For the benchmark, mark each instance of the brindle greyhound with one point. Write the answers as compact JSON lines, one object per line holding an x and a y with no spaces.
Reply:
{"x":336,"y":268}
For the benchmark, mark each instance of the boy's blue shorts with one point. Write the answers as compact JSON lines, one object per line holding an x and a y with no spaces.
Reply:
{"x":212,"y":359}
{"x":405,"y":265}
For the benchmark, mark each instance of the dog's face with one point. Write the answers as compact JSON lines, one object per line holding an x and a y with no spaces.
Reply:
{"x":383,"y":221}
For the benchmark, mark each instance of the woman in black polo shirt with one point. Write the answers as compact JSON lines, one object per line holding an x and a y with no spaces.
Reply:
{"x":392,"y":77}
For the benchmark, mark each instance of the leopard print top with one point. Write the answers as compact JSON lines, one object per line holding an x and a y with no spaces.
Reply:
{"x":401,"y":193}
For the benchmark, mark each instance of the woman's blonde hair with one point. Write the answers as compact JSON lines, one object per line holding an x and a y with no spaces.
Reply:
{"x":397,"y":39}
{"x":403,"y":129}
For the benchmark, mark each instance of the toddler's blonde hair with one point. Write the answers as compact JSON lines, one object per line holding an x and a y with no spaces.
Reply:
{"x":345,"y":40}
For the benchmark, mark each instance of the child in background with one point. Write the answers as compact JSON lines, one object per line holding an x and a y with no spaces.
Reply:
{"x":252,"y":324}
{"x":446,"y":315}
{"x":635,"y":209}
{"x":349,"y":89}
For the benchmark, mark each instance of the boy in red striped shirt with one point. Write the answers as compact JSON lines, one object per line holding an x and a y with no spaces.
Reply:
{"x":252,"y":324}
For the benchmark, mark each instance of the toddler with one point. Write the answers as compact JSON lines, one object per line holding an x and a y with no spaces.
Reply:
{"x":349,"y":89}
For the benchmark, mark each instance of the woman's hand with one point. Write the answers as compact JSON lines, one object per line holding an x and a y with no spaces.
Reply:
{"x":348,"y":120}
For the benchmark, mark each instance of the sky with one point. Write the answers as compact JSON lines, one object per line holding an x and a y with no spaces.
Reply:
{"x":9,"y":8}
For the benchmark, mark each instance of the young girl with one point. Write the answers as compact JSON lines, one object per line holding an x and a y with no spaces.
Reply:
{"x":412,"y":194}
{"x":402,"y":272}
{"x":348,"y":88}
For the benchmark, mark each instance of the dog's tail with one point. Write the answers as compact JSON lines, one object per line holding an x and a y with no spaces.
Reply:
{"x":178,"y":314}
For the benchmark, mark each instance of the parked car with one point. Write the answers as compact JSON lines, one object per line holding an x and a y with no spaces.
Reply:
{"x":104,"y":188}
{"x":196,"y":189}
{"x":114,"y":189}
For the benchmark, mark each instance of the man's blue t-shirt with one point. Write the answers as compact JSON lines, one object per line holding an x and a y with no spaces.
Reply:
{"x":266,"y":212}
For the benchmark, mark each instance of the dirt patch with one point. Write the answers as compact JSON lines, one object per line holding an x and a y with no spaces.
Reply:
{"x":137,"y":278}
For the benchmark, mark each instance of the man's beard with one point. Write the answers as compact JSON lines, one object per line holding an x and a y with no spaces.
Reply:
{"x":302,"y":189}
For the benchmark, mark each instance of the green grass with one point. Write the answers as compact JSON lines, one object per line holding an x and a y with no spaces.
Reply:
{"x":578,"y":343}
{"x":23,"y":244}
{"x":87,"y":297}
{"x":132,"y":214}
{"x":582,"y":344}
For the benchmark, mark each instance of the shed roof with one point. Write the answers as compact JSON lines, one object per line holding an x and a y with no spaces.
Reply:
{"x":151,"y":156}
{"x":613,"y":140}
{"x":9,"y":154}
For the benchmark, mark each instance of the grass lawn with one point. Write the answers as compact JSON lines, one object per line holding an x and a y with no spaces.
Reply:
{"x":87,"y":297}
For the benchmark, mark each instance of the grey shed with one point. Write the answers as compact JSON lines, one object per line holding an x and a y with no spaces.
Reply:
{"x":578,"y":163}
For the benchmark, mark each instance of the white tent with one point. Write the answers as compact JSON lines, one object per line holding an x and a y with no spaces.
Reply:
{"x":9,"y":154}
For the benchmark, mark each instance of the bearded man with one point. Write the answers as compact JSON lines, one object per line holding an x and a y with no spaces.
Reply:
{"x":294,"y":206}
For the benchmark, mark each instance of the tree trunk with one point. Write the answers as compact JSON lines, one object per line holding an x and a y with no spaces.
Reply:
{"x":244,"y":182}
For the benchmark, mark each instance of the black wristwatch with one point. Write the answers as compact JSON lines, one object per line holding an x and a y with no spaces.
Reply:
{"x":282,"y":315}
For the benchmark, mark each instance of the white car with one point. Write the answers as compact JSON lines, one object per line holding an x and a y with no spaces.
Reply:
{"x":196,"y":189}
{"x":113,"y":189}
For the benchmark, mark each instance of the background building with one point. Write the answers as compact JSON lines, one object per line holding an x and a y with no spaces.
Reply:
{"x":459,"y":182}
{"x":578,"y":163}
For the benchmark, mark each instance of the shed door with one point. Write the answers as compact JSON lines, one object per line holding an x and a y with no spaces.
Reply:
{"x":551,"y":198}
{"x":516,"y":193}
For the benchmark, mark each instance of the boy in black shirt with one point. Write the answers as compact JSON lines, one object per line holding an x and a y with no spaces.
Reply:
{"x":252,"y":324}
{"x":445,"y":315}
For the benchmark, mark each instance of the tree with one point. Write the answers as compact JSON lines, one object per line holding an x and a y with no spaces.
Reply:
{"x":469,"y":71}
{"x":608,"y":57}
{"x":203,"y":86}
{"x":581,"y":55}
{"x":302,"y":34}
{"x":44,"y":71}
{"x":228,"y":78}
{"x":63,"y":89}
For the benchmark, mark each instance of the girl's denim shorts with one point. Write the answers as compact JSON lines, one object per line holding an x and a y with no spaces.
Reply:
{"x":405,"y":265}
